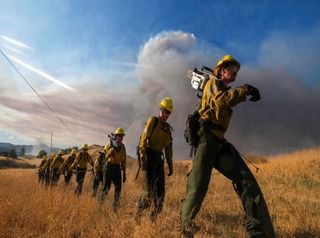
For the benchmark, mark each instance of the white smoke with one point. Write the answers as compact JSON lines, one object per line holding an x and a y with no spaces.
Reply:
{"x":163,"y":62}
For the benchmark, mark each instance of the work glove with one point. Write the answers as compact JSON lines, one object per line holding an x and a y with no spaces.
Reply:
{"x":253,"y":92}
{"x":170,"y":170}
{"x":124,"y":177}
{"x":144,"y":163}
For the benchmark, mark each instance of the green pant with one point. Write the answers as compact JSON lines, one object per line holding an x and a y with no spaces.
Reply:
{"x":111,"y":174}
{"x":67,"y":176}
{"x":199,"y":177}
{"x":54,"y":176}
{"x":154,"y":182}
{"x":98,"y":179}
{"x":47,"y":176}
{"x":214,"y":153}
{"x":81,"y":173}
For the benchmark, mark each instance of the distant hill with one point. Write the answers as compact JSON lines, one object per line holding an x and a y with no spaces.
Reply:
{"x":29,"y":149}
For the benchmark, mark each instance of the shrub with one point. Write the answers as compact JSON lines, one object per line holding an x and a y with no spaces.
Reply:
{"x":42,"y":153}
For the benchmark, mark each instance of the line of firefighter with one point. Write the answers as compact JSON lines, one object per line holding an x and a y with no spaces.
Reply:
{"x":105,"y":166}
{"x":111,"y":160}
{"x":53,"y":166}
{"x":215,"y":113}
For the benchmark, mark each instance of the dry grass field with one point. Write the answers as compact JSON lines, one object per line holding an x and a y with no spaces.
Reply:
{"x":290,"y":183}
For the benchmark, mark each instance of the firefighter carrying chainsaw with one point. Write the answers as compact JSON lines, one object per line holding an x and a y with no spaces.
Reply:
{"x":115,"y":162}
{"x":214,"y":151}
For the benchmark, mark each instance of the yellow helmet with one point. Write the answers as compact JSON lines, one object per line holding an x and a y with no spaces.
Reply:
{"x":119,"y":131}
{"x":61,"y":152}
{"x":85,"y":146}
{"x":167,"y":104}
{"x":52,"y":155}
{"x":73,"y":152}
{"x":225,"y":59}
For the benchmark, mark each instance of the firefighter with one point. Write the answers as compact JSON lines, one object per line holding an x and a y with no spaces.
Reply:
{"x":55,"y":165}
{"x":214,"y":151}
{"x":155,"y":139}
{"x":98,"y":171}
{"x":41,"y":171}
{"x":80,"y":164}
{"x":66,"y":167}
{"x":47,"y":169}
{"x":115,"y":163}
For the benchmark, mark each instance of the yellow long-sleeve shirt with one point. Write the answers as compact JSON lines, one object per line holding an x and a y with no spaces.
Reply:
{"x":216,"y":104}
{"x":48,"y":162}
{"x":156,"y":137}
{"x":117,"y":156}
{"x":67,"y":163}
{"x":43,"y":162}
{"x":82,"y":160}
{"x":57,"y":162}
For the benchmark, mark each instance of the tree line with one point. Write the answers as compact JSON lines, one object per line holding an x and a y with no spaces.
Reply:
{"x":13,"y":154}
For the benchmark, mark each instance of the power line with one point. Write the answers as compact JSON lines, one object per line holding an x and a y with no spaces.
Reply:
{"x":50,"y":108}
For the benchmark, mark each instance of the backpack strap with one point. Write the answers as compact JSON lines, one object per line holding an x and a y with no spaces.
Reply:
{"x":169,"y":126}
{"x":155,"y":123}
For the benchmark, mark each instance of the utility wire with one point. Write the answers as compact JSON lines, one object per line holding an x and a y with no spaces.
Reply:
{"x":50,"y":108}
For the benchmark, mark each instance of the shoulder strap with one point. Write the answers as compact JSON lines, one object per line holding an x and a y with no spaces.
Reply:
{"x":81,"y":156}
{"x":170,"y":127}
{"x":122,"y":148}
{"x":156,"y":120}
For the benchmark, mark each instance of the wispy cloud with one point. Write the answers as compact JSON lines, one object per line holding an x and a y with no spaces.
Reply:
{"x":16,"y":42}
{"x":15,"y":50}
{"x":41,"y":73}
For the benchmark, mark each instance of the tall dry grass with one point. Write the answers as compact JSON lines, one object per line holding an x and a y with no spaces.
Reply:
{"x":290,"y":183}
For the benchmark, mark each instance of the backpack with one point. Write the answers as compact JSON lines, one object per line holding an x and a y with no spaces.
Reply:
{"x":192,"y":128}
{"x":198,"y":78}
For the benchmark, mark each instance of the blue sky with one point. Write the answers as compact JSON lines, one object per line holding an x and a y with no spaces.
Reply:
{"x":102,"y":29}
{"x":113,"y":52}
